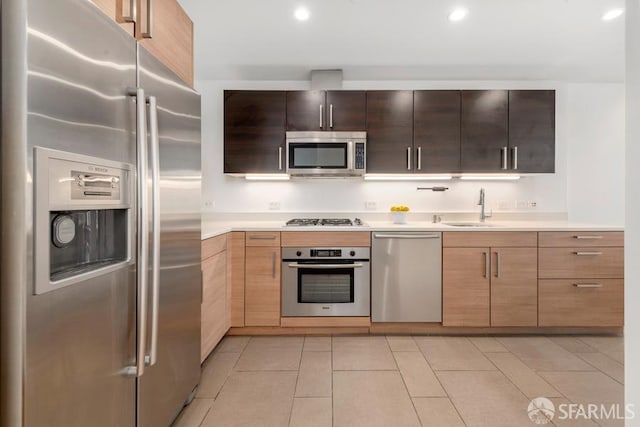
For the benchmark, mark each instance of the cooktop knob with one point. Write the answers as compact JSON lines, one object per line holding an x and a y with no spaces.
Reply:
{"x":299,"y":253}
{"x":352,"y":253}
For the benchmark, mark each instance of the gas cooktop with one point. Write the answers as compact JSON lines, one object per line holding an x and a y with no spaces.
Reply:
{"x":327,"y":222}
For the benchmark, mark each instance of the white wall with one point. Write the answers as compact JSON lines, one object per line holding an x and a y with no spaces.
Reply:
{"x":230,"y":194}
{"x":596,"y":155}
{"x":632,"y":227}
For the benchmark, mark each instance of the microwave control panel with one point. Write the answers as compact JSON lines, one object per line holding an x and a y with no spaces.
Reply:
{"x":360,"y":155}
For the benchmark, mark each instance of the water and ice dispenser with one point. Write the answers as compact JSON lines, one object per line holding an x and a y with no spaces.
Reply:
{"x":83,"y":218}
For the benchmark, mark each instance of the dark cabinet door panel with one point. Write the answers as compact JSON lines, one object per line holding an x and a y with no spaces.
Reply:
{"x":254,"y":131}
{"x":485,"y":121}
{"x":436,"y":128}
{"x":346,"y":110}
{"x":389,"y":131}
{"x":306,"y":110}
{"x":532,"y":120}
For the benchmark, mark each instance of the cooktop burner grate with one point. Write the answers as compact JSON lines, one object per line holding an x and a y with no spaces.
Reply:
{"x":328,"y":222}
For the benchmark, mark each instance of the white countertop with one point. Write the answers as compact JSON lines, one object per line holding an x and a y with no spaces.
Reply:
{"x":212,"y":228}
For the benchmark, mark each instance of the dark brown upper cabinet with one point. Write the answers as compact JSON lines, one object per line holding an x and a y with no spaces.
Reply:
{"x":390,"y":131}
{"x":532,"y":123}
{"x":254,"y":131}
{"x":436,"y":130}
{"x":485,"y":131}
{"x":326,"y":110}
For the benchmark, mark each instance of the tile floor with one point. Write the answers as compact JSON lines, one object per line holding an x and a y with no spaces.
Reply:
{"x":402,"y":380}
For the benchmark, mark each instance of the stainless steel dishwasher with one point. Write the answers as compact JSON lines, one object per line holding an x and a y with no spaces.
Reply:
{"x":406,"y":269}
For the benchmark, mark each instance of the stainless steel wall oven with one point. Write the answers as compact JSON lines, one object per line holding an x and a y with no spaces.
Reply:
{"x":326,"y":282}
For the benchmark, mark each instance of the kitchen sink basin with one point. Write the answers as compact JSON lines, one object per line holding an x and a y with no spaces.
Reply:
{"x":468,"y":224}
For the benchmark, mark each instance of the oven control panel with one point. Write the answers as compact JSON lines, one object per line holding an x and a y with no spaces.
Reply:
{"x":326,"y":253}
{"x":300,"y":254}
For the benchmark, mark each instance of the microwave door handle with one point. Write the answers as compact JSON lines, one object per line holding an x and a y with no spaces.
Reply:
{"x":350,"y":156}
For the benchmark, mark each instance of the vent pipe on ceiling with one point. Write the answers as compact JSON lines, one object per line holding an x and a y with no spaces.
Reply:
{"x":326,"y":79}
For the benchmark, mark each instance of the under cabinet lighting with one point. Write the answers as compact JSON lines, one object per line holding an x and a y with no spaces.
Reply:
{"x":385,"y":177}
{"x":490,"y":177}
{"x":458,"y":14}
{"x":266,"y":177}
{"x":612,"y":14}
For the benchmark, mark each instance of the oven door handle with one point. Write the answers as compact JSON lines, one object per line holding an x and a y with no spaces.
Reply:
{"x":325,"y":266}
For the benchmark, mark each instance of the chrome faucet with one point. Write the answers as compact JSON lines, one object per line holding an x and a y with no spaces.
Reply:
{"x":483,"y":214}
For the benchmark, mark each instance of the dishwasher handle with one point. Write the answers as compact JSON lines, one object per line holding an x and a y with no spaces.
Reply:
{"x":406,"y":236}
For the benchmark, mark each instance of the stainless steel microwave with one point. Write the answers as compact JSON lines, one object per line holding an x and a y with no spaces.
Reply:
{"x":326,"y":153}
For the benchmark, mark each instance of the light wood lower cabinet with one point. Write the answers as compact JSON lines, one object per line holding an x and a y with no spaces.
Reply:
{"x":581,"y":279}
{"x":514,"y":287}
{"x":575,"y":302}
{"x":235,"y":269}
{"x":494,"y":285}
{"x":262,"y":286}
{"x":215,"y":311}
{"x":465,"y":287}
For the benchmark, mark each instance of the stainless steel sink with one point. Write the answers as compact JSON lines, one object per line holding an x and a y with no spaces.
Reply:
{"x":468,"y":224}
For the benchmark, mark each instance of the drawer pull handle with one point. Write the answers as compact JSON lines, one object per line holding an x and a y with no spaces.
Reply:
{"x":262,"y":237}
{"x":587,"y":285}
{"x":588,"y":253}
{"x":587,"y":237}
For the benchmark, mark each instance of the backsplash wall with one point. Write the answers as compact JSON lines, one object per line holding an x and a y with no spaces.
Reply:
{"x":224,"y":194}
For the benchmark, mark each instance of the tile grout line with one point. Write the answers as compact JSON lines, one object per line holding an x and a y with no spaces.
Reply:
{"x":333,"y":420}
{"x":413,"y":405}
{"x":440,"y":382}
{"x":295,"y":387}
{"x":598,"y":369}
{"x":533,"y":370}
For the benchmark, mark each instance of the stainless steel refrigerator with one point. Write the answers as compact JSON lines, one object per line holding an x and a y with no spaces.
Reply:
{"x":100,"y":189}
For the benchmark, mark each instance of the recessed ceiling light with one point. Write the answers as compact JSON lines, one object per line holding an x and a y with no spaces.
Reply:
{"x":612,"y":14}
{"x":302,"y":14}
{"x":458,"y":14}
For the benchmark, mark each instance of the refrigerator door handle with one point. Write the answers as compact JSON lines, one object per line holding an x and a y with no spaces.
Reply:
{"x":143,"y":232}
{"x":155,"y":228}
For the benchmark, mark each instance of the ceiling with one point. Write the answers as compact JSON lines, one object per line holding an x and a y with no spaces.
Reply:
{"x":408,"y":40}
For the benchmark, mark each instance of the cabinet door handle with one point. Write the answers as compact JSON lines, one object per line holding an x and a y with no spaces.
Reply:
{"x":273,"y":264}
{"x":587,"y":285}
{"x":419,"y":154}
{"x":331,"y":116}
{"x":514,"y":158}
{"x":486,"y":264}
{"x":262,"y":237}
{"x":321,"y":114}
{"x":587,"y":237}
{"x":497,"y":264}
{"x":128,"y":14}
{"x":588,"y":253}
{"x":280,"y":158}
{"x":504,"y":152}
{"x":408,"y":158}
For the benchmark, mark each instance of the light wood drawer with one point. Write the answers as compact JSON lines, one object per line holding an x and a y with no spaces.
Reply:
{"x":585,"y":302}
{"x":580,"y":239}
{"x":213,"y":246}
{"x":326,"y":238}
{"x":568,"y":263}
{"x":263,"y":238}
{"x":483,"y":239}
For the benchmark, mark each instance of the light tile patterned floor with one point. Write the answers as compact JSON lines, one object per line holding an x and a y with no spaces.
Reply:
{"x":402,"y":381}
